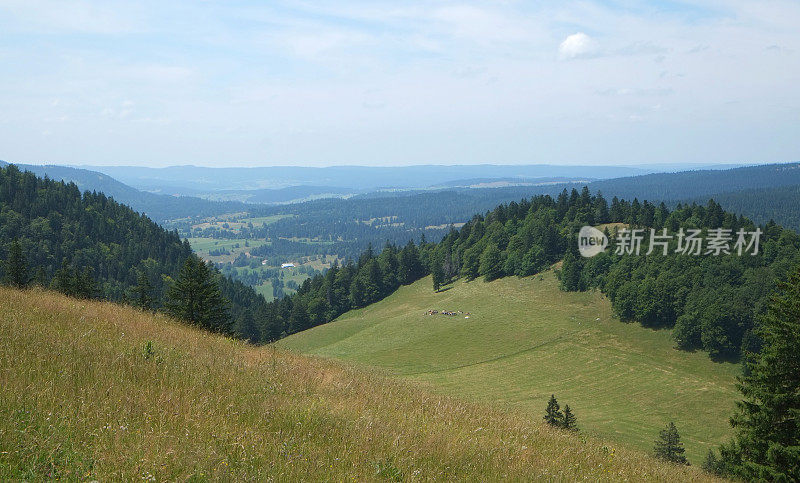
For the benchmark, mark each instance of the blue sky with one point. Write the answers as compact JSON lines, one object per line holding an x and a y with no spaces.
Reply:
{"x":250,"y":83}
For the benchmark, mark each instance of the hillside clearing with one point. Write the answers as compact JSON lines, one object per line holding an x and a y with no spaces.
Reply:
{"x":526,"y":339}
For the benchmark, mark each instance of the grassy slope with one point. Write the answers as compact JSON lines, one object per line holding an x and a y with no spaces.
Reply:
{"x":525,"y":340}
{"x":79,"y":399}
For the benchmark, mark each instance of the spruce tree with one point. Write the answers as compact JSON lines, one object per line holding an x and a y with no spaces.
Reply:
{"x":143,"y":291}
{"x":196,"y":298}
{"x":491,"y":263}
{"x":16,"y":266}
{"x":64,"y":279}
{"x":469,"y":269}
{"x":712,"y":463}
{"x":85,"y":285}
{"x":40,"y":278}
{"x":570,"y":273}
{"x":299,"y":319}
{"x":668,"y":447}
{"x":553,"y":415}
{"x":570,"y":421}
{"x":767,"y":423}
{"x":437,"y":273}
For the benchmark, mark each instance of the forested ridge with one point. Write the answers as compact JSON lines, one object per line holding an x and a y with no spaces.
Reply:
{"x":711,"y":302}
{"x":781,"y":204}
{"x":346,"y":227}
{"x":158,"y":207}
{"x":695,"y":184}
{"x":88,"y":245}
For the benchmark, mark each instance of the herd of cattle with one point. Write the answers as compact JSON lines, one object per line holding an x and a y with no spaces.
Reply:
{"x":448,"y":312}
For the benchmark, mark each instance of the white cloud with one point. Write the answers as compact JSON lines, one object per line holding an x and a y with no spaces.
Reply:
{"x":52,"y":16}
{"x":576,"y":46}
{"x":461,"y":80}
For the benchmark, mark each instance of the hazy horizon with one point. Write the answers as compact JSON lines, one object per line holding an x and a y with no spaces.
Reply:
{"x":361,"y":83}
{"x":414,"y":165}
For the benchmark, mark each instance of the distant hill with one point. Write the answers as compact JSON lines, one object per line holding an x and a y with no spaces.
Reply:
{"x":95,"y":391}
{"x":506,"y":182}
{"x":291,"y":194}
{"x":158,"y":207}
{"x":191,"y":179}
{"x":781,"y":204}
{"x":351,"y":225}
{"x":700,"y":183}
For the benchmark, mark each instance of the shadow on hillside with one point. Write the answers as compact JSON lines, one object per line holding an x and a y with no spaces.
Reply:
{"x":722,"y":358}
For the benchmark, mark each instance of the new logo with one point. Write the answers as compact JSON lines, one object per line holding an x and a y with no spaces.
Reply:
{"x":591,"y":241}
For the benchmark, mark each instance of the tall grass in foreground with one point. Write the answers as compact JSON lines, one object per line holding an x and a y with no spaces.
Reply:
{"x":92,"y":390}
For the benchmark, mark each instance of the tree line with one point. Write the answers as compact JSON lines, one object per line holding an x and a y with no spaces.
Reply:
{"x":710,"y":302}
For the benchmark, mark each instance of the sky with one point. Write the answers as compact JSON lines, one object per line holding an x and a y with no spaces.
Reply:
{"x":262,"y":83}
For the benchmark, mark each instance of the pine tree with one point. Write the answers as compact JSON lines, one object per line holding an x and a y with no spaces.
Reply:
{"x":409,"y":268}
{"x":196,"y":298}
{"x":16,"y":266}
{"x":469,"y":268}
{"x":553,"y":415}
{"x":767,"y":422}
{"x":570,"y":274}
{"x":143,"y":292}
{"x":570,"y":421}
{"x":40,"y":278}
{"x":64,"y":280}
{"x":668,"y":447}
{"x":491,"y":263}
{"x":357,"y":293}
{"x":712,"y":463}
{"x":437,"y":273}
{"x":299,"y":319}
{"x":85,"y":285}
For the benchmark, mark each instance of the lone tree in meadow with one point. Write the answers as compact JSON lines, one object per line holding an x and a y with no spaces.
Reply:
{"x":766,"y":445}
{"x":570,"y":421}
{"x":668,"y":447}
{"x":196,"y":298}
{"x":16,"y":267}
{"x":553,"y":415}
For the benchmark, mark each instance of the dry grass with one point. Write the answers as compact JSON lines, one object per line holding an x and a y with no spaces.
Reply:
{"x":82,"y":398}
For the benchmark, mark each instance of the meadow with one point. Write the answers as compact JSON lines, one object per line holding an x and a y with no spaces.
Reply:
{"x":236,"y":221}
{"x":524,"y":340}
{"x":95,"y":391}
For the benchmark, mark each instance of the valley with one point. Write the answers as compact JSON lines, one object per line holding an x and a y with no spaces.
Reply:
{"x":407,"y":241}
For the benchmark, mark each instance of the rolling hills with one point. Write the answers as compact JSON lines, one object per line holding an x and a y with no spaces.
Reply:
{"x":158,"y":207}
{"x":96,"y":391}
{"x":525,"y":339}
